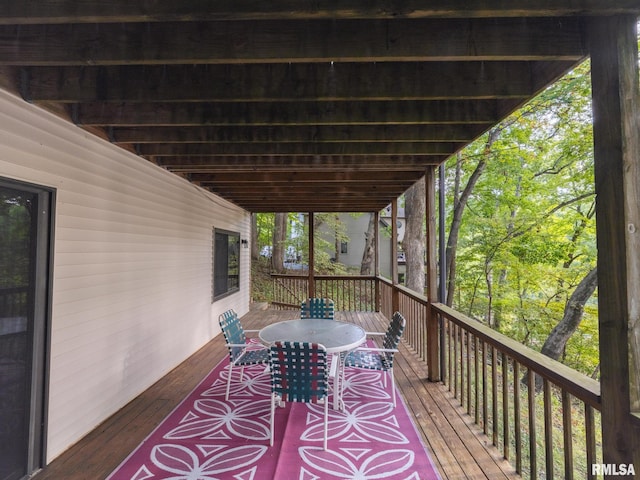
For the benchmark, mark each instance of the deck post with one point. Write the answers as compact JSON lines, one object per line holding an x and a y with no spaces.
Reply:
{"x":395,"y":296}
{"x":312,"y":283}
{"x":616,"y":103}
{"x":376,"y":241}
{"x":433,"y":345}
{"x":376,"y":259}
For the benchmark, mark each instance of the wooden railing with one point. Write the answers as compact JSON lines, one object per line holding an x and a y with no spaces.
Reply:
{"x":349,"y":293}
{"x":386,"y":292}
{"x":289,"y":291}
{"x":542,"y":415}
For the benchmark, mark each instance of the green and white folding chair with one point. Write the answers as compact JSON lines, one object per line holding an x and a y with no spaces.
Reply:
{"x":299,"y":373}
{"x":379,"y":358}
{"x":241,"y":353}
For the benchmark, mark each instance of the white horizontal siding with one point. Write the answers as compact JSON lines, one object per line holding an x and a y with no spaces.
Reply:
{"x":132,"y":266}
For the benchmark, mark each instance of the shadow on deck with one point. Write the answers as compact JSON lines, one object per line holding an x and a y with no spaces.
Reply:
{"x":459,"y":449}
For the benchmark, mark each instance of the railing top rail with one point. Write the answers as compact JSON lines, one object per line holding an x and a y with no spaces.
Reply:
{"x":289,"y":275}
{"x":576,"y":383}
{"x":325,"y":277}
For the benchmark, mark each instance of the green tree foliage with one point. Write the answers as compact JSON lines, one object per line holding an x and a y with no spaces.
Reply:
{"x":15,"y":238}
{"x":296,"y":242}
{"x":527,"y":234}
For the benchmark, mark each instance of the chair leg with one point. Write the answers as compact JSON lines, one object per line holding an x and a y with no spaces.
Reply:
{"x":226,"y":396}
{"x":273,"y":413}
{"x":335,"y":374}
{"x":326,"y":421}
{"x":393,"y":388}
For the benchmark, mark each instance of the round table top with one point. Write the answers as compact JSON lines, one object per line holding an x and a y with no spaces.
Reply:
{"x":336,"y":336}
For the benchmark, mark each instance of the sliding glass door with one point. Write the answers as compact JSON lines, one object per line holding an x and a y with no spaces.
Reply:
{"x":25,"y":245}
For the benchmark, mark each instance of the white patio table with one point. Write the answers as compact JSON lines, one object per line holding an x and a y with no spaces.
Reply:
{"x":336,"y":336}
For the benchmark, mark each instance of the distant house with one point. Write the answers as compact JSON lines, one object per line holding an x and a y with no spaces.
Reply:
{"x":356,"y":225}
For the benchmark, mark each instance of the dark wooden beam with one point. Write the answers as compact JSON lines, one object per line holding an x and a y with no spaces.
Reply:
{"x":300,"y":82}
{"x":93,"y":11}
{"x":310,"y":201}
{"x":282,"y":41}
{"x":313,"y":177}
{"x":267,"y":204}
{"x":265,"y":163}
{"x":352,"y":190}
{"x":292,"y":113}
{"x":304,"y":134}
{"x":346,"y":206}
{"x":336,"y":148}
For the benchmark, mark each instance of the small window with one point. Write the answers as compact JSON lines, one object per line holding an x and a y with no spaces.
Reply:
{"x":226,"y":263}
{"x":344,"y":247}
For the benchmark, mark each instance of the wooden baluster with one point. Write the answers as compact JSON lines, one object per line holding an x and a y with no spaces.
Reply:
{"x":505,"y":407}
{"x":469,"y":336}
{"x":567,"y":435}
{"x":463,"y":335}
{"x":455,"y":360}
{"x":485,"y":407}
{"x":449,"y":353}
{"x":533,"y":446}
{"x":477,"y":380}
{"x":517,"y":427}
{"x":494,"y":395}
{"x":590,"y":439}
{"x":548,"y":429}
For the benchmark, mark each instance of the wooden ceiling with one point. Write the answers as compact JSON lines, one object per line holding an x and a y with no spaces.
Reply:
{"x":286,"y":105}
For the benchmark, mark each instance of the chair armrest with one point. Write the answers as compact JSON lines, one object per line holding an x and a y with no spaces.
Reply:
{"x":373,"y":349}
{"x":242,"y":345}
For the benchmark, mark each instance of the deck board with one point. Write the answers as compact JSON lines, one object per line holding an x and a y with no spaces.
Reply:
{"x":456,"y":445}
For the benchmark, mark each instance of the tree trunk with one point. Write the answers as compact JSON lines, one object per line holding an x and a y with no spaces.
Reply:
{"x":279,"y":239}
{"x":460,"y":204}
{"x":413,"y":243}
{"x":368,"y":255}
{"x":255,"y":250}
{"x":337,"y":240}
{"x":573,"y":312}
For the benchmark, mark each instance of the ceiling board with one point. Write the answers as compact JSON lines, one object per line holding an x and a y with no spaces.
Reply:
{"x":290,"y":106}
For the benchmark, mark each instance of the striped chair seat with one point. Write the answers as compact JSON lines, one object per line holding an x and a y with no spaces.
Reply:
{"x":255,"y":357}
{"x":368,"y":360}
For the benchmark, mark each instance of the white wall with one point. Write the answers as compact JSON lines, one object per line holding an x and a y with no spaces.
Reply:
{"x":132,"y":266}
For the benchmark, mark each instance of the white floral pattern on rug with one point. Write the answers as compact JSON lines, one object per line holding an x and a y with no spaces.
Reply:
{"x":208,"y":438}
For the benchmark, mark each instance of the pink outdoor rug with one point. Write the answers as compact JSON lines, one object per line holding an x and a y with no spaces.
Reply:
{"x":206,"y":438}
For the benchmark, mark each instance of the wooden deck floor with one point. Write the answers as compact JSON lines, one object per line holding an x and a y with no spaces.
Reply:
{"x":457,"y":446}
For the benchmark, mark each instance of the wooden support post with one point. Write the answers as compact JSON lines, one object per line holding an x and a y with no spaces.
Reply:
{"x":433,"y":344}
{"x":616,"y":103}
{"x":376,"y":240}
{"x":395,"y":297}
{"x":312,"y":266}
{"x":376,"y":258}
